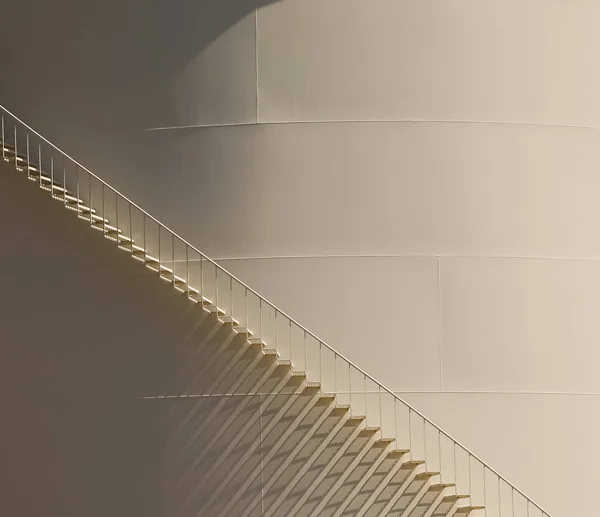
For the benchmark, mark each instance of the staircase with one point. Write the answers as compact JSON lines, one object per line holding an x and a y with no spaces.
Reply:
{"x":333,"y":441}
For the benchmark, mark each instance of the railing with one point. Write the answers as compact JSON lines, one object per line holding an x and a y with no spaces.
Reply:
{"x":206,"y":282}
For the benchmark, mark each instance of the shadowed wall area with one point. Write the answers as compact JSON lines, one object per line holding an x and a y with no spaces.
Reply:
{"x":91,"y":76}
{"x":89,"y":339}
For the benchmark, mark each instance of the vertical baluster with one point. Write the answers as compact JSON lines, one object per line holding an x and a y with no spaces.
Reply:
{"x":455,"y":469}
{"x":202,"y":280}
{"x":3,"y":141}
{"x":246,"y":310}
{"x":52,"y":175}
{"x":335,"y":390}
{"x":159,"y":251}
{"x":64,"y":160}
{"x":130,"y":226}
{"x":321,"y":364}
{"x":276,"y":333}
{"x":366,"y":398}
{"x":395,"y":420}
{"x":410,"y":444}
{"x":485,"y":490}
{"x":116,"y":217}
{"x":305,"y":354}
{"x":28,"y":163}
{"x":40,"y":163}
{"x":499,"y":499}
{"x":380,"y":412}
{"x":512,"y":495}
{"x":425,"y":441}
{"x":16,"y":148}
{"x":231,"y":298}
{"x":350,"y":384}
{"x":216,"y":288}
{"x":470,"y":481}
{"x":260,"y":315}
{"x":77,"y":187}
{"x":173,"y":259}
{"x":103,"y":210}
{"x":187,"y":269}
{"x":90,"y":196}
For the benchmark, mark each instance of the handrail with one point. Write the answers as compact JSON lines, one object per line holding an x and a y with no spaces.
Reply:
{"x":292,"y":320}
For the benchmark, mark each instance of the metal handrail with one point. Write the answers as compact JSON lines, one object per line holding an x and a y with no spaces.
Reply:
{"x":292,"y":320}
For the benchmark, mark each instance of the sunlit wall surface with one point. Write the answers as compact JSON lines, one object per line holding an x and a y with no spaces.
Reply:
{"x":416,"y":181}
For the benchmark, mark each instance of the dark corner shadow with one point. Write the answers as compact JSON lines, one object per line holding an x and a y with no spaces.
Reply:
{"x":90,"y":344}
{"x":117,"y":55}
{"x":91,"y":76}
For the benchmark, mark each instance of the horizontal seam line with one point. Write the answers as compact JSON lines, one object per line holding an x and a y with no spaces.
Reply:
{"x":375,"y":392}
{"x":407,"y":256}
{"x":372,"y":121}
{"x":458,"y":392}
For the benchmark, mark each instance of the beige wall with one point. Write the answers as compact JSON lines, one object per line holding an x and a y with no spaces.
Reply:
{"x":421,"y":191}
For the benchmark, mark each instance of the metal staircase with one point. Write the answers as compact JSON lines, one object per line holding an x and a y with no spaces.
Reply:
{"x":336,"y":442}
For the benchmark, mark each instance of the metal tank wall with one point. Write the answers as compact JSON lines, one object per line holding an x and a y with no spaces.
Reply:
{"x":417,"y":182}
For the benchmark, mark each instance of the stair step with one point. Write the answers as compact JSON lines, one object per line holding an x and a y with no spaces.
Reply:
{"x":323,"y":395}
{"x":455,"y":497}
{"x":256,"y":341}
{"x":85,"y":216}
{"x":465,"y":510}
{"x":214,"y":309}
{"x":53,"y":188}
{"x":242,"y":330}
{"x":108,"y":227}
{"x":343,"y":406}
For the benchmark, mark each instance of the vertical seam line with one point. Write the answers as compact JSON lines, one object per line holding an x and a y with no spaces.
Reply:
{"x":440,"y":345}
{"x":256,"y":61}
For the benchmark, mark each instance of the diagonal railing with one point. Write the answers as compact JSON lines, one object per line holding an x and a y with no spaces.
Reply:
{"x":205,"y":282}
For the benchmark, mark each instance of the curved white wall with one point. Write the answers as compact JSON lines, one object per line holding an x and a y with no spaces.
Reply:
{"x":422,"y":190}
{"x":417,"y":182}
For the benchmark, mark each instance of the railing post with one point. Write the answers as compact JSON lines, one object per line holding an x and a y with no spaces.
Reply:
{"x":65,"y":181}
{"x":77,"y":187}
{"x":16,"y":148}
{"x":103,"y":210}
{"x":52,"y":175}
{"x":130,"y":226}
{"x":116,"y":217}
{"x":201,"y":280}
{"x":3,"y":141}
{"x":40,"y":163}
{"x":173,"y":258}
{"x":187,"y":269}
{"x":91,"y":203}
{"x":28,"y":165}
